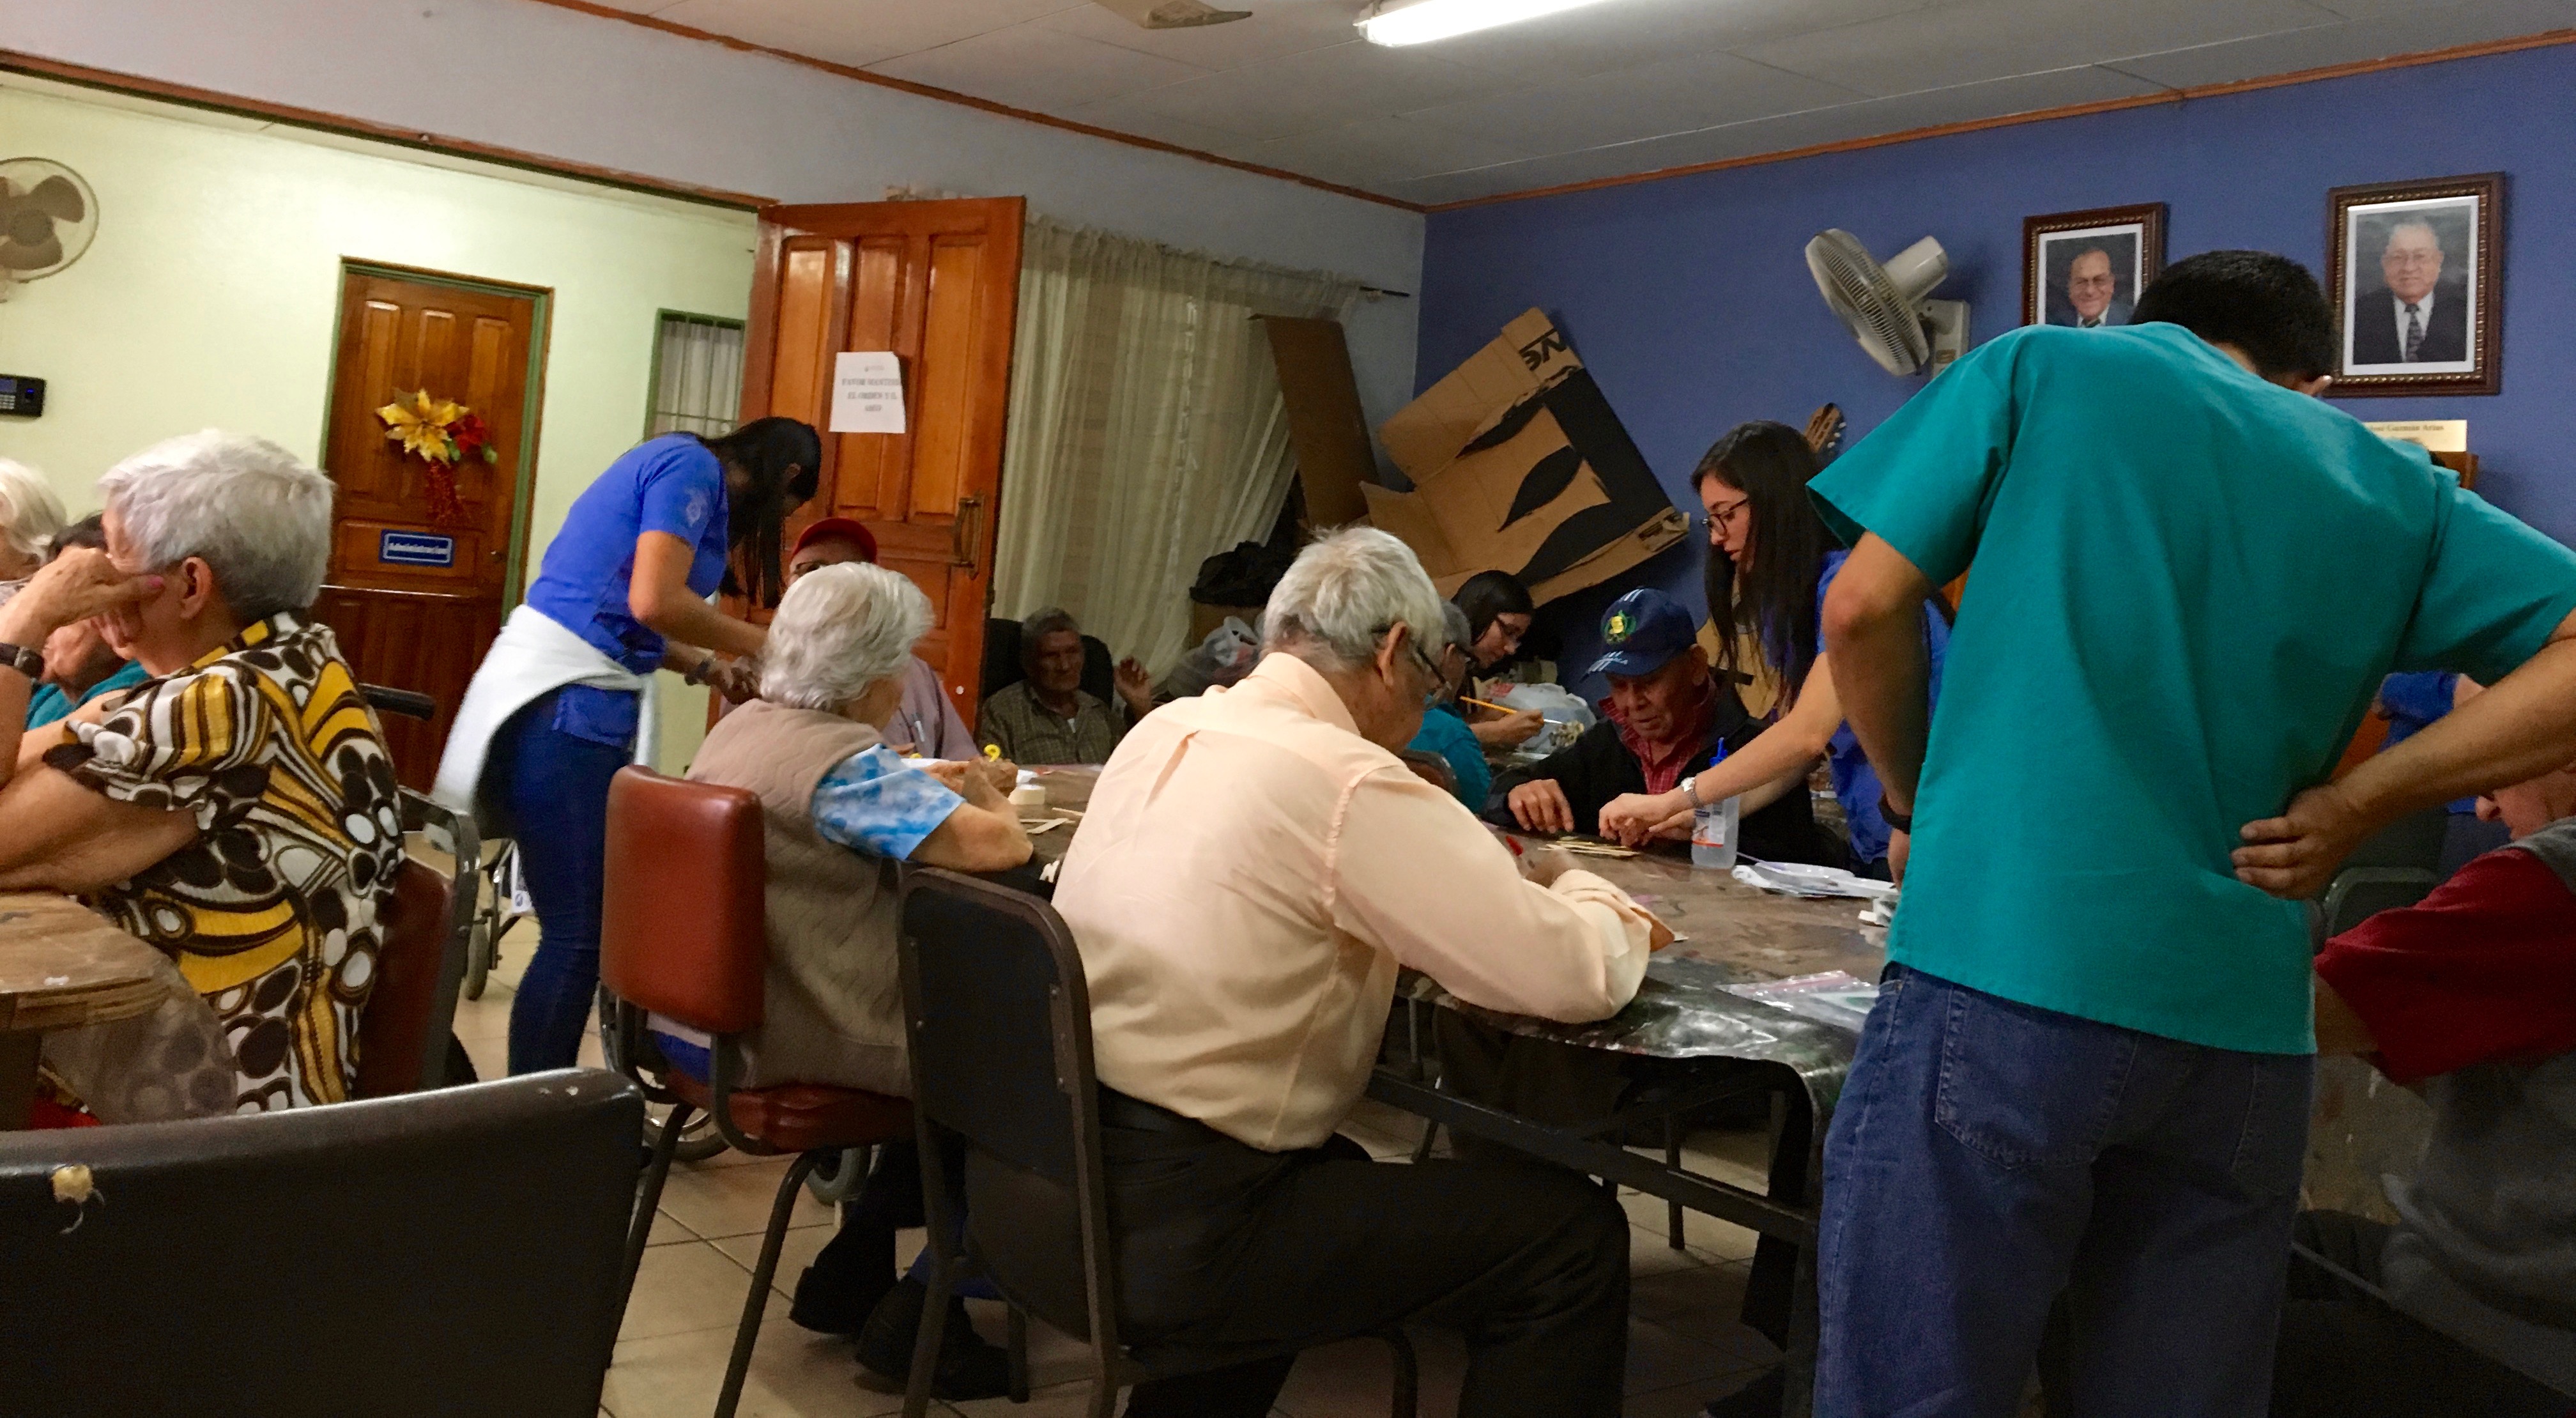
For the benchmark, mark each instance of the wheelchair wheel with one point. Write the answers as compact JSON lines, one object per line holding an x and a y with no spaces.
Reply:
{"x":698,"y":1141}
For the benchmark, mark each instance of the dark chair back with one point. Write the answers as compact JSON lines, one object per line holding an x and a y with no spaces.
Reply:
{"x":2412,"y":843}
{"x":2397,"y":867}
{"x":999,"y":1024}
{"x":680,"y":923}
{"x":1003,"y":667}
{"x":400,"y":1020}
{"x":452,"y":1252}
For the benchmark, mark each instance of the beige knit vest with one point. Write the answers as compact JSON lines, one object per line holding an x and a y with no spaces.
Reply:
{"x":834,"y":994}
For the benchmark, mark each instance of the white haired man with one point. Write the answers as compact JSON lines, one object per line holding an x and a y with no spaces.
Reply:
{"x":237,"y":811}
{"x":838,"y":810}
{"x":1255,"y":866}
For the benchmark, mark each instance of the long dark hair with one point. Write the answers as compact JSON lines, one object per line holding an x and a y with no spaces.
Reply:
{"x":1486,"y":596}
{"x":784,"y":460}
{"x":1770,"y":464}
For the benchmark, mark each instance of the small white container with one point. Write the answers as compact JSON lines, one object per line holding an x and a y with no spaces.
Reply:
{"x":1028,"y":796}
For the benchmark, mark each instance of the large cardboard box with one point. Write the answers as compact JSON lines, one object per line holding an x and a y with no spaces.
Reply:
{"x":1518,"y":464}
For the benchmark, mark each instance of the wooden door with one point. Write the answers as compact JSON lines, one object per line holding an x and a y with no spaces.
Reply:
{"x":416,"y":601}
{"x":937,"y":283}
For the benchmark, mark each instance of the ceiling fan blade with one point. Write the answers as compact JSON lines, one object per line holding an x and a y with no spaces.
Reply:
{"x":58,"y":198}
{"x":1171,"y":14}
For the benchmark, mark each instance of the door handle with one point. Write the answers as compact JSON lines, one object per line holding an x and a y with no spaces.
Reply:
{"x":966,"y":533}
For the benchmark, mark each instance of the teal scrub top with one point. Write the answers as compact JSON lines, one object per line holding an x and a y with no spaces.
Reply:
{"x":49,"y":705}
{"x":1447,"y":735}
{"x":2184,"y":584}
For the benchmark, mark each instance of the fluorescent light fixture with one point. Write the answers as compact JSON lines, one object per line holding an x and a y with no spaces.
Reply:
{"x":1427,"y":20}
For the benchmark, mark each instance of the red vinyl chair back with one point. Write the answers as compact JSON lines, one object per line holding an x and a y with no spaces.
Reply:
{"x":681,"y":920}
{"x":411,"y":955}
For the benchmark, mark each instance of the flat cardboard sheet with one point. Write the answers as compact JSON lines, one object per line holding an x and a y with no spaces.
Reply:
{"x":1518,"y":464}
{"x":1325,"y":425}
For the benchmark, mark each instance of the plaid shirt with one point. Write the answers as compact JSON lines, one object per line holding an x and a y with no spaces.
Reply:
{"x":1029,"y":732}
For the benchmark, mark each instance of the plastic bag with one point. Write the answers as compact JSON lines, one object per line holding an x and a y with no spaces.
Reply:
{"x":1225,"y":656}
{"x":1831,"y":998}
{"x":1566,"y":713}
{"x":171,"y":1063}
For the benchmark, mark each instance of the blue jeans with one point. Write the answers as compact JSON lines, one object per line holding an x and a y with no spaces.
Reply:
{"x":1987,"y":1156}
{"x":555,"y":785}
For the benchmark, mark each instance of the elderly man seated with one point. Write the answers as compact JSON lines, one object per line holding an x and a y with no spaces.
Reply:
{"x":838,"y":810}
{"x":1667,"y":717}
{"x":2469,"y":996}
{"x":1049,"y":717}
{"x":925,"y":721}
{"x":239,"y":812}
{"x":1255,"y":867}
{"x":79,"y":663}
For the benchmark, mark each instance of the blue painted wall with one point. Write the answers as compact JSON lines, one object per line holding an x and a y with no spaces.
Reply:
{"x":1689,"y":298}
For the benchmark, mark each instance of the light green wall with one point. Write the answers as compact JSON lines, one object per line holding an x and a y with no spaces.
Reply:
{"x":209,"y":297}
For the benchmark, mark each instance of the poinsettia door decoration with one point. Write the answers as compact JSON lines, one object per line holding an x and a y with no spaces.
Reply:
{"x":440,"y":433}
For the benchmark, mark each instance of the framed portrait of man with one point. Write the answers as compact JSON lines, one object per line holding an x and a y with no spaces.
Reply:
{"x":2085,"y":269}
{"x":2416,"y":272}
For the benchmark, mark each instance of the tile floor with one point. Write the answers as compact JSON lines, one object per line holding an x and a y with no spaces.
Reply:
{"x":1685,"y":1346}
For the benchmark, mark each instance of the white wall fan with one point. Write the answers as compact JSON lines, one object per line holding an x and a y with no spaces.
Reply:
{"x":1171,"y":14}
{"x":47,"y":217}
{"x":1887,"y":307}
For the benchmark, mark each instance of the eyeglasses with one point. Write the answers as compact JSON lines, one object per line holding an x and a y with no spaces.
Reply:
{"x":1725,"y":515}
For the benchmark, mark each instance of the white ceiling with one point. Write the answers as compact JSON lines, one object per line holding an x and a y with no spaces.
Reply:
{"x":1622,"y":87}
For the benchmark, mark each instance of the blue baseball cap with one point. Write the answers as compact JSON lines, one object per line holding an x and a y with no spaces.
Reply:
{"x":1644,"y":629}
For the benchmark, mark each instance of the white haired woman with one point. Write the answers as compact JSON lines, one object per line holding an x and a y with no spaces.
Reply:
{"x":239,"y":810}
{"x":840,"y":809}
{"x":30,"y":518}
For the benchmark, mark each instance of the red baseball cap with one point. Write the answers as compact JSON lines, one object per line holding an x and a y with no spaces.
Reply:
{"x":838,"y":529}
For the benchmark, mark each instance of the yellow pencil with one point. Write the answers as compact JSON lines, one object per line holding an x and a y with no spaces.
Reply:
{"x":1488,"y":704}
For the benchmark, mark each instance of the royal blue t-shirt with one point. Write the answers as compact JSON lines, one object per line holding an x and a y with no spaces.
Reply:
{"x":669,"y":484}
{"x":1856,"y":784}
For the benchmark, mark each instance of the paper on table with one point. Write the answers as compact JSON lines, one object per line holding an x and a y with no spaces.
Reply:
{"x":867,"y":392}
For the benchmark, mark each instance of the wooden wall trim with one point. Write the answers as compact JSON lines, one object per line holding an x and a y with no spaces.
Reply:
{"x":17,"y":62}
{"x":2042,"y":115}
{"x":985,"y":105}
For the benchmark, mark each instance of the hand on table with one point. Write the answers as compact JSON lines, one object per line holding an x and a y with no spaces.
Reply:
{"x":75,"y":586}
{"x":1541,"y":864}
{"x":2294,"y":856}
{"x":1634,"y":819}
{"x":1539,"y":805}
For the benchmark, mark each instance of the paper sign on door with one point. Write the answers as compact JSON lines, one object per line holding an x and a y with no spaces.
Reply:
{"x":867,"y":392}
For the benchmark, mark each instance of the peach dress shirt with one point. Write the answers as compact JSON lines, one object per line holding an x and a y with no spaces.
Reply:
{"x":1249,"y":876}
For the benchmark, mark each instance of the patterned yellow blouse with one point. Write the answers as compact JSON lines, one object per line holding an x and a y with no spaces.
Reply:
{"x":271,"y":912}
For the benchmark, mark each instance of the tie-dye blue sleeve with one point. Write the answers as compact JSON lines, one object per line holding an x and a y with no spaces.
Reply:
{"x":874,"y":802}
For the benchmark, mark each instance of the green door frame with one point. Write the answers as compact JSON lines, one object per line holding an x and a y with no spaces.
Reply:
{"x":540,"y":338}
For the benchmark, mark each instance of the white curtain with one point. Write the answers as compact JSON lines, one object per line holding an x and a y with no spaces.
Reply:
{"x":1146,"y":429}
{"x":698,"y":368}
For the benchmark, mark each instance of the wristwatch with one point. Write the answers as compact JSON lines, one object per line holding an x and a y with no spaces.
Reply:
{"x":30,"y":663}
{"x":1901,"y":821}
{"x":1691,"y":792}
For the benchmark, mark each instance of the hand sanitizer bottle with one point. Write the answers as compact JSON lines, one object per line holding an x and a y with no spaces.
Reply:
{"x":1714,"y":827}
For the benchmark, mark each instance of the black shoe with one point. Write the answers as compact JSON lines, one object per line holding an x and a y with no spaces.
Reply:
{"x":1758,"y":1399}
{"x":828,"y":1302}
{"x":969,"y":1368}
